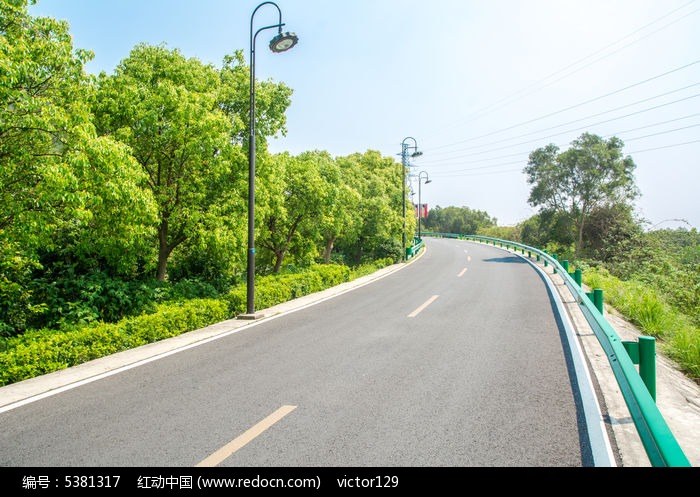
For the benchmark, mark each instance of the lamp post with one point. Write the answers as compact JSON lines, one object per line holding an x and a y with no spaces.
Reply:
{"x":420,"y":205}
{"x":280,"y":43}
{"x":404,"y":164}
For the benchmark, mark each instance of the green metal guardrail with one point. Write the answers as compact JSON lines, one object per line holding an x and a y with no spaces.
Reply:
{"x":415,"y":248}
{"x":638,"y":388}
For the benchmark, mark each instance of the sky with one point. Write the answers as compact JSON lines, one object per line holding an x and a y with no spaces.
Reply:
{"x":475,"y":85}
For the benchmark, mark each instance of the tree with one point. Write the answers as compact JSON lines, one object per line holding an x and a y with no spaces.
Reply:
{"x":377,"y":222}
{"x":182,"y":120}
{"x":62,"y":187}
{"x":591,"y":174}
{"x":459,"y":220}
{"x":295,"y":207}
{"x":339,"y":206}
{"x":49,"y":150}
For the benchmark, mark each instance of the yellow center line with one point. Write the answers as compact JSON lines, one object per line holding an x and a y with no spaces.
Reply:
{"x":240,"y":441}
{"x":462,"y":273}
{"x":426,"y":304}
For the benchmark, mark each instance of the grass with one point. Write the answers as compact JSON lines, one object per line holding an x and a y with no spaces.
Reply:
{"x":648,"y":309}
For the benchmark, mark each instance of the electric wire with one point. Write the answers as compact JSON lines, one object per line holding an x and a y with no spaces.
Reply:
{"x":581,"y":60}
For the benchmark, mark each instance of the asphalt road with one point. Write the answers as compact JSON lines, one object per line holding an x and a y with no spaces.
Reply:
{"x":457,"y":359}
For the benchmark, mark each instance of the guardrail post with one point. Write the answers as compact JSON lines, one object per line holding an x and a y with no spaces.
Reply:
{"x":643,"y":353}
{"x":578,"y":277}
{"x":598,"y":299}
{"x":565,"y":265}
{"x":647,"y":363}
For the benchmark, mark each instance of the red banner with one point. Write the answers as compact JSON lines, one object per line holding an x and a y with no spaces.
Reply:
{"x":423,"y":211}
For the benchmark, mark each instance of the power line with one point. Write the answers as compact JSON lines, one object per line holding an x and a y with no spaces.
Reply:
{"x":540,"y":139}
{"x":588,"y":117}
{"x":662,"y":133}
{"x":520,"y":154}
{"x":458,"y":174}
{"x":664,"y":146}
{"x":583,"y":59}
{"x":573,"y":106}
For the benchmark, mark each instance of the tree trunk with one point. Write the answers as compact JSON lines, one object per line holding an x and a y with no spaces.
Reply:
{"x":279,"y":257}
{"x":329,"y":248}
{"x":579,"y":241}
{"x":163,"y":251}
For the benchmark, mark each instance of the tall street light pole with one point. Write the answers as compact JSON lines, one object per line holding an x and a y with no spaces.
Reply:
{"x":420,"y":205}
{"x":404,"y":165}
{"x":280,"y":43}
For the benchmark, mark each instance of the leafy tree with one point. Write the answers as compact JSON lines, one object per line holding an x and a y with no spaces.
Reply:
{"x":49,"y":151}
{"x":184,"y":122}
{"x":459,"y":220}
{"x":549,"y":227}
{"x":271,"y":102}
{"x":591,"y":174}
{"x":165,"y":107}
{"x":339,"y":206}
{"x":609,"y":231}
{"x":295,"y":207}
{"x":377,"y":224}
{"x":62,"y":187}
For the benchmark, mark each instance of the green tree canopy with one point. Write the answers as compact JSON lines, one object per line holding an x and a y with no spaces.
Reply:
{"x":460,"y":220}
{"x":182,"y":120}
{"x":593,"y":173}
{"x":376,"y":228}
{"x":53,"y":166}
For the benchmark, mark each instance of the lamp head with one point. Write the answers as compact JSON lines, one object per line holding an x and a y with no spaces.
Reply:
{"x":416,"y":154}
{"x":283,"y":42}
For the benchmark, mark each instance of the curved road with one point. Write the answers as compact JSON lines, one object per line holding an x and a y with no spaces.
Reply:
{"x":458,"y":359}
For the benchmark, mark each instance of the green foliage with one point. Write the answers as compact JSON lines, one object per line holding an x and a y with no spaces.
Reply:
{"x":168,"y":109}
{"x":458,"y":220}
{"x":590,"y":175}
{"x":511,"y":233}
{"x":46,"y":351}
{"x":663,"y":260}
{"x":610,"y":230}
{"x":17,"y":306}
{"x":648,"y":308}
{"x":377,"y":215}
{"x":282,"y":287}
{"x":294,"y":210}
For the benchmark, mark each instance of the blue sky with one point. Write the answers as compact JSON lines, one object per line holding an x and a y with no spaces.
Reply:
{"x":478,"y":84}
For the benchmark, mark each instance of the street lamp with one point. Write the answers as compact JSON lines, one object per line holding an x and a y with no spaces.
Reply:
{"x":404,"y":164}
{"x":280,"y":43}
{"x":420,"y":205}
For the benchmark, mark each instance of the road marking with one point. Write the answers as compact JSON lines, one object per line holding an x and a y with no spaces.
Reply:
{"x":469,"y":258}
{"x":240,"y":441}
{"x":462,"y":273}
{"x":426,"y":304}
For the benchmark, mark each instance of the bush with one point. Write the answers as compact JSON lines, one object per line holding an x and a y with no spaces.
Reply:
{"x":275,"y":289}
{"x":45,"y":351}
